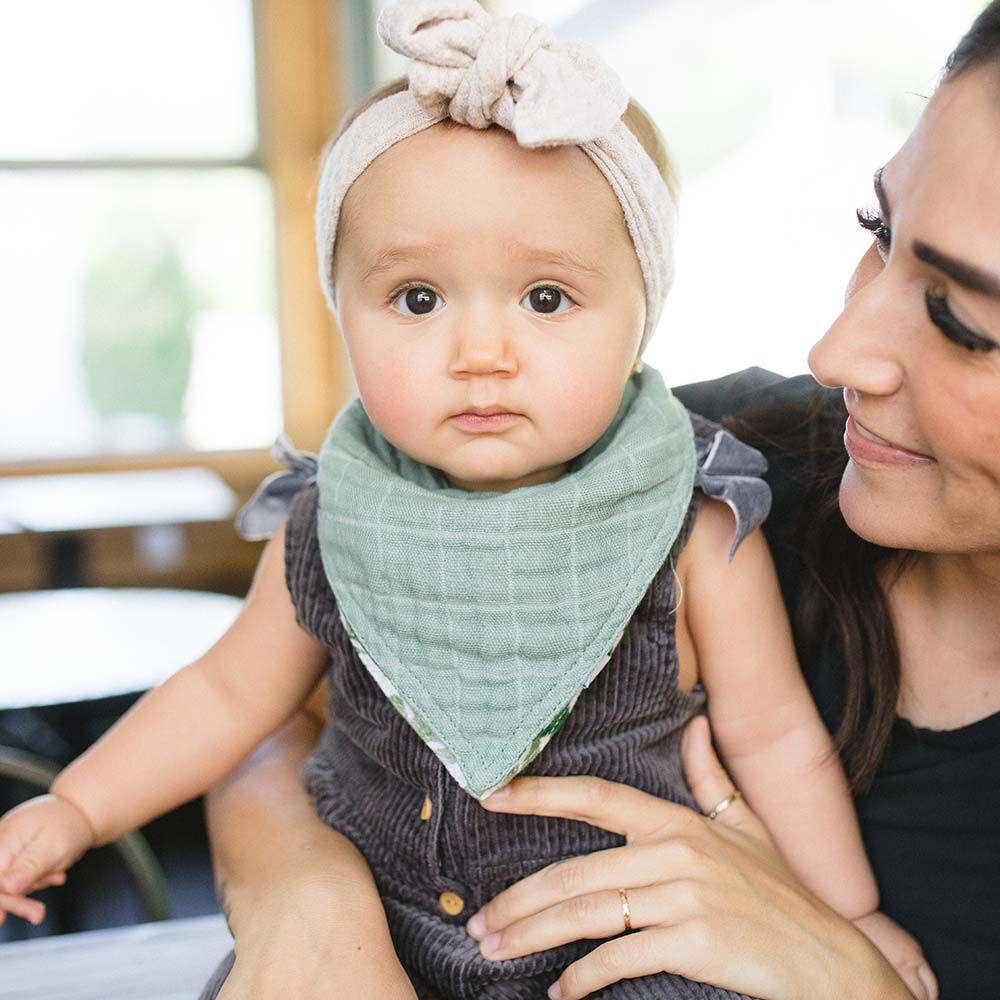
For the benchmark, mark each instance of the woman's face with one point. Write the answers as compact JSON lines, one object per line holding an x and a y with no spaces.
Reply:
{"x":917,"y":347}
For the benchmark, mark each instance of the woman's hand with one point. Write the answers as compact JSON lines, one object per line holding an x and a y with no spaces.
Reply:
{"x":312,"y":941}
{"x":710,"y":900}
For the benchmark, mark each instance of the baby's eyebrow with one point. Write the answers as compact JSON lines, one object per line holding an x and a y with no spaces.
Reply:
{"x":388,"y":257}
{"x":562,"y":258}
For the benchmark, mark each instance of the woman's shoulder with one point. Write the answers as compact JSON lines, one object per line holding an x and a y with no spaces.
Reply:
{"x":745,"y":391}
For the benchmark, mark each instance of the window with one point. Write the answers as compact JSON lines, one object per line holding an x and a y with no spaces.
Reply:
{"x":157,"y":162}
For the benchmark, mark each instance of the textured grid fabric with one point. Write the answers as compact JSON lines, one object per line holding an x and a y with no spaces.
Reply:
{"x":482,"y":615}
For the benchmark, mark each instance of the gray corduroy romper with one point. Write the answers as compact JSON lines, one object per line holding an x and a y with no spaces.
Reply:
{"x":435,"y":853}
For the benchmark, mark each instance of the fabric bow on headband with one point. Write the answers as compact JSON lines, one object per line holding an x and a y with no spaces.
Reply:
{"x":512,"y":71}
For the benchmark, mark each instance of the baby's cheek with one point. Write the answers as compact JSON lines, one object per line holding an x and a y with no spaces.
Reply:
{"x":584,"y":413}
{"x":392,"y":399}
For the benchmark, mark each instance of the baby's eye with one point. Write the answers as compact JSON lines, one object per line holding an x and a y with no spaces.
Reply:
{"x":546,"y":299}
{"x":417,"y":301}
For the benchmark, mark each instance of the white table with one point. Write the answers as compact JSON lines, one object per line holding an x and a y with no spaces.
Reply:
{"x":153,"y":502}
{"x":79,"y":644}
{"x":171,"y":960}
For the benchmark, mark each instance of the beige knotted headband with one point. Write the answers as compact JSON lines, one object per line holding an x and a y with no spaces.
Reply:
{"x":480,"y":70}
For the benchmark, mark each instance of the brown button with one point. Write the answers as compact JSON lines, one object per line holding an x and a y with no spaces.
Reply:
{"x":426,"y":808}
{"x":451,"y":903}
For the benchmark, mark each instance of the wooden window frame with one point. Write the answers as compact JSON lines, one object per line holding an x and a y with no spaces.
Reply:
{"x":303,"y":66}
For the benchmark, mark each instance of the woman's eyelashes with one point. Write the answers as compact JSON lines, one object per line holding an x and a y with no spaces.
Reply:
{"x":420,"y":300}
{"x":872,"y":221}
{"x":938,"y":309}
{"x":952,"y":327}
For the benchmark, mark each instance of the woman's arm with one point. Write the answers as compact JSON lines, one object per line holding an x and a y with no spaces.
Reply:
{"x":299,"y":898}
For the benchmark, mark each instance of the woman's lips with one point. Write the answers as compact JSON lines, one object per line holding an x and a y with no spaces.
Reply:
{"x":492,"y":422}
{"x":868,"y":448}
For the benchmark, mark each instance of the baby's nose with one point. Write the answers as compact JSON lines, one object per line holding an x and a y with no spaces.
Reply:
{"x":482,"y":349}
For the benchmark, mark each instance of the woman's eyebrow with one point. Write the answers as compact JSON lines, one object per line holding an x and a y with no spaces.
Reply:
{"x":966,"y":275}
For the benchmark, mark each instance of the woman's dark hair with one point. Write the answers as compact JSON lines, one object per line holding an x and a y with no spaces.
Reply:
{"x":981,"y":44}
{"x":845,"y":578}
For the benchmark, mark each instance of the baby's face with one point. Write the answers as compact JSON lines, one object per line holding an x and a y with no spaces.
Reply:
{"x":472,"y":273}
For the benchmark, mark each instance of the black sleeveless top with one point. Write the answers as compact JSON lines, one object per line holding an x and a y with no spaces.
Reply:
{"x":931,"y":822}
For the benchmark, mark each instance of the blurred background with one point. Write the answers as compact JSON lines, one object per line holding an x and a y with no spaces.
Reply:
{"x":162,"y":321}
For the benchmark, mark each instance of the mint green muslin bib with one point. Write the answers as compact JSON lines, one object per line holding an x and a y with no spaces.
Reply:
{"x":482,"y":616}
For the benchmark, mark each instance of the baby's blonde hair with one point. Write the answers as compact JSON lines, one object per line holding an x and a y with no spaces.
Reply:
{"x":636,"y":119}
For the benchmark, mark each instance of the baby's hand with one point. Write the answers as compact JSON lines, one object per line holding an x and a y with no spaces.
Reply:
{"x":39,"y":840}
{"x":903,"y":953}
{"x":30,"y":909}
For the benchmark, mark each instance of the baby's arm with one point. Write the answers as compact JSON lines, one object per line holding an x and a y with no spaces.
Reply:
{"x":177,"y":740}
{"x":763,"y":718}
{"x":770,"y":734}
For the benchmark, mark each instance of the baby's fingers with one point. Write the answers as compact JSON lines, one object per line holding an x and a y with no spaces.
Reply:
{"x":920,"y":980}
{"x":21,"y":906}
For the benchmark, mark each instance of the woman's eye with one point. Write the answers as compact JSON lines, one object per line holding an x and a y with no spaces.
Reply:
{"x":953,"y":328}
{"x":546,"y":300}
{"x":417,"y":301}
{"x":875,"y":224}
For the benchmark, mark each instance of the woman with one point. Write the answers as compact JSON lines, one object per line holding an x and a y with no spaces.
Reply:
{"x":898,"y":624}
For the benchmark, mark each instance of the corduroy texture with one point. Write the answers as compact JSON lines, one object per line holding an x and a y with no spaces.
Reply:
{"x":482,"y":615}
{"x":371,"y":772}
{"x":480,"y":71}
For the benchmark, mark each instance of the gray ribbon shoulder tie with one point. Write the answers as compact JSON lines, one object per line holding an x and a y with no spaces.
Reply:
{"x":730,"y":472}
{"x":265,"y":511}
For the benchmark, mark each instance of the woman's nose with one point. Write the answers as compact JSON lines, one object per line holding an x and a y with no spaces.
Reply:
{"x":860,"y":351}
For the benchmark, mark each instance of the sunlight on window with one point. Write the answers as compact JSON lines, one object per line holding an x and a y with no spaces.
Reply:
{"x":138,"y":297}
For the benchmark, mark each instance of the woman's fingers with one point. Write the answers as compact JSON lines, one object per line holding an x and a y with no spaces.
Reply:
{"x":643,"y":954}
{"x":606,"y":804}
{"x":568,"y":881}
{"x":710,"y":783}
{"x":593,"y":915}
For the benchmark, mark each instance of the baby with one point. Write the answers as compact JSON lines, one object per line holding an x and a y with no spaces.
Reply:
{"x":516,"y":550}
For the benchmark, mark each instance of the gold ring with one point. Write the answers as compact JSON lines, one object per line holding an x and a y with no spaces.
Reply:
{"x":724,"y":804}
{"x":626,"y":912}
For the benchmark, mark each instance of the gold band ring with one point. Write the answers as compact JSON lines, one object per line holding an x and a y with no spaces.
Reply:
{"x":724,"y":804}
{"x":626,"y":912}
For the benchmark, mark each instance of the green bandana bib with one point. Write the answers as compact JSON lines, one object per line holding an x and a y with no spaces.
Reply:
{"x":482,"y":616}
